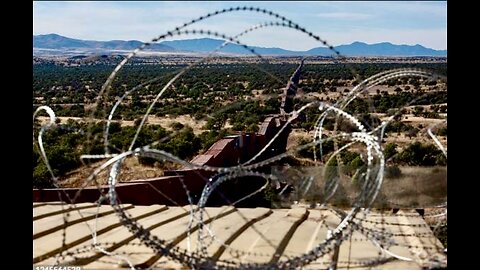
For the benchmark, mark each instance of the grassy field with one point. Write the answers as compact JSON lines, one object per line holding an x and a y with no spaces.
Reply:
{"x":415,"y":187}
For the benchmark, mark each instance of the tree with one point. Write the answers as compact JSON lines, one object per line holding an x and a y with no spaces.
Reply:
{"x":390,"y":150}
{"x":418,"y":154}
{"x":442,"y":131}
{"x":184,"y":144}
{"x":216,"y":123}
{"x":42,"y":177}
{"x":412,"y":132}
{"x":252,"y":128}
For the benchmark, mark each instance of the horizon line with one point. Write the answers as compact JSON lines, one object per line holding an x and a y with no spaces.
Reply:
{"x":321,"y":45}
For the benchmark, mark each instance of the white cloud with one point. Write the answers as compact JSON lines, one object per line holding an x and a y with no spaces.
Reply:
{"x":352,"y":16}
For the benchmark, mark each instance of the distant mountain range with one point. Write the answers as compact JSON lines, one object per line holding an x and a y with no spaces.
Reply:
{"x":59,"y":44}
{"x":54,"y":41}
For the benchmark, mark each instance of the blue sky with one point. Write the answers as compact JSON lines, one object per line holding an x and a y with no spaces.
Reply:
{"x":409,"y":22}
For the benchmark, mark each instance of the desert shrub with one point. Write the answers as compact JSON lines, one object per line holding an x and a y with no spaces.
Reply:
{"x":393,"y":172}
{"x":418,"y":154}
{"x":176,"y":125}
{"x":390,"y":150}
{"x":441,"y":233}
{"x":442,"y":131}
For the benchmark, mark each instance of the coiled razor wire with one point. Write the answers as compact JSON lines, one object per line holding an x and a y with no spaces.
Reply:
{"x":200,"y":259}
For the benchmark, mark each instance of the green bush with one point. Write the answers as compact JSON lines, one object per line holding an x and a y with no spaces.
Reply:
{"x":390,"y":150}
{"x":418,"y":154}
